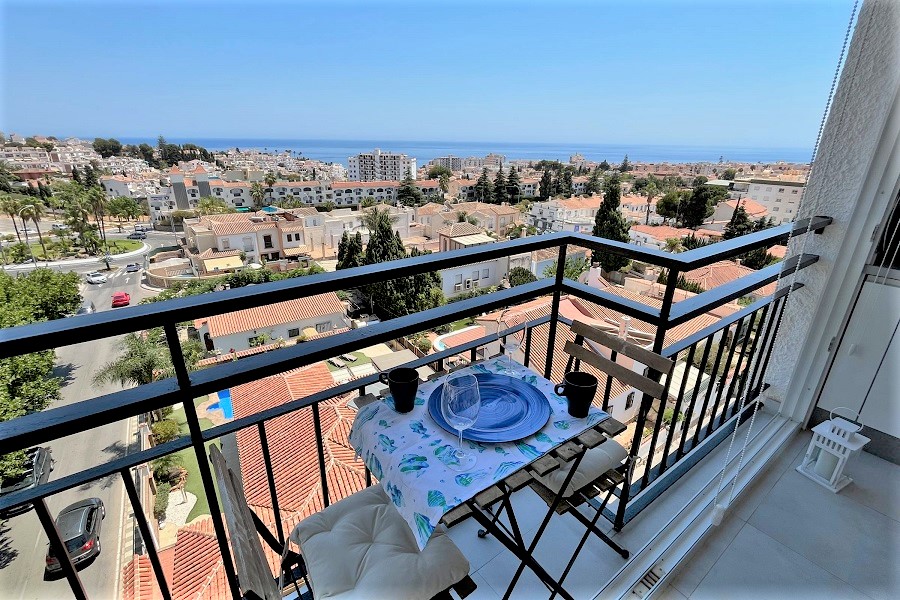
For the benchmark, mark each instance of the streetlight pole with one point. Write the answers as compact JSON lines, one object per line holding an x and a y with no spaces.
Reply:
{"x":25,"y":227}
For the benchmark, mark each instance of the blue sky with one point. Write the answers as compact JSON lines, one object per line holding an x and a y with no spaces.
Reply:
{"x":730,"y":73}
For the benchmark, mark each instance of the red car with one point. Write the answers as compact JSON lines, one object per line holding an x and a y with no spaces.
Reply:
{"x":120,"y":299}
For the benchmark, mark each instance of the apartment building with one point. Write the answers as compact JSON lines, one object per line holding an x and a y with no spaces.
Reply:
{"x":465,"y":278}
{"x":380,"y":166}
{"x":25,"y":158}
{"x":635,"y":209}
{"x":352,"y":193}
{"x":454,"y":163}
{"x":569,"y":214}
{"x":780,"y":198}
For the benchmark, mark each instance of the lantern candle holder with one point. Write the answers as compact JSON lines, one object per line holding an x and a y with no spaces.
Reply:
{"x":834,"y":441}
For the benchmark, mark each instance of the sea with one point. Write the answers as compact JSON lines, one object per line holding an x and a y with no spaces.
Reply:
{"x":337,"y":151}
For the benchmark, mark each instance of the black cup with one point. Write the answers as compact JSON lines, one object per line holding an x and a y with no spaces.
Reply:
{"x":403,"y":382}
{"x":579,"y":388}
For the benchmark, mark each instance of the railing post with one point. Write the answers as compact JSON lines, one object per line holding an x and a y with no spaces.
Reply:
{"x":209,"y":486}
{"x":554,"y":310}
{"x":647,"y":400}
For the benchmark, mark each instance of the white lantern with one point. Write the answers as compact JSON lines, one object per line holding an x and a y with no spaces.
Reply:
{"x":832,"y":444}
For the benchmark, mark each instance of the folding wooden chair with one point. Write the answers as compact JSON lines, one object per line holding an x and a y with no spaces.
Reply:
{"x":359,"y":547}
{"x":607,"y":465}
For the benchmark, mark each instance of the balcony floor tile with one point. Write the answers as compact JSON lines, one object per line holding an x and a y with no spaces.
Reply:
{"x":756,"y":566}
{"x":788,"y":458}
{"x":852,"y":541}
{"x":689,"y":573}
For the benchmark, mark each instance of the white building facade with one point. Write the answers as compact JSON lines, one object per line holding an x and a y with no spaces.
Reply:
{"x":380,"y":166}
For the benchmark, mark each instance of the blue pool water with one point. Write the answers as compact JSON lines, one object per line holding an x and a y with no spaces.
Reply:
{"x":225,"y":404}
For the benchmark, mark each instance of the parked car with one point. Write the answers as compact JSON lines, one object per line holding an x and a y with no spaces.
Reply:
{"x":137,"y":235}
{"x":141,"y":228}
{"x":132,"y":268}
{"x":95,"y":277}
{"x":86,"y":308}
{"x":120,"y":299}
{"x":40,"y":463}
{"x":59,"y":227}
{"x":79,"y":527}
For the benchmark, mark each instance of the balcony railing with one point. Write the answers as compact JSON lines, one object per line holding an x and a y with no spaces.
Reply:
{"x":735,"y":366}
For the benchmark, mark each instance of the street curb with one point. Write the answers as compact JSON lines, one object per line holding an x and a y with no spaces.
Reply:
{"x":80,"y":261}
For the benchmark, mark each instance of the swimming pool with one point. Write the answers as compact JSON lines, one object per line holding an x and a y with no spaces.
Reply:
{"x":224,"y":403}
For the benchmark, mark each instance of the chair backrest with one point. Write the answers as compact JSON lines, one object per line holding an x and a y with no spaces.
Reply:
{"x":254,"y":576}
{"x":577,"y":352}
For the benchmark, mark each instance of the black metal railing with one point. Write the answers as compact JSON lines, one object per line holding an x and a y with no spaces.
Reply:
{"x":752,"y":351}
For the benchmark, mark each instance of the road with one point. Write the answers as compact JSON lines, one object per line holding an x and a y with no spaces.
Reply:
{"x":23,"y":543}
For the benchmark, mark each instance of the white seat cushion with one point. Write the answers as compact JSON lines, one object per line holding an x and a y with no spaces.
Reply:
{"x":361,"y":547}
{"x":596,"y":462}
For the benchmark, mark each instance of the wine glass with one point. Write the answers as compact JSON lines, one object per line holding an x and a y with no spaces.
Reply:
{"x":510,"y":341}
{"x":460,"y":403}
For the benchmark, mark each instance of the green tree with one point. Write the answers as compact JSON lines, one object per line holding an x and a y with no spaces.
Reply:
{"x":573,"y":269}
{"x":593,"y":183}
{"x":625,"y":166}
{"x":610,"y":224}
{"x":107,"y":148}
{"x":10,"y":205}
{"x":350,"y":251}
{"x":367,"y":202}
{"x":545,"y":187}
{"x":604,"y":165}
{"x":34,"y":211}
{"x":483,"y":189}
{"x":214,"y":206}
{"x":513,"y":191}
{"x":673,"y":245}
{"x":520,"y":275}
{"x":698,"y":181}
{"x":651,"y":191}
{"x":738,"y":225}
{"x":408,"y":193}
{"x":690,"y":242}
{"x":436,"y":171}
{"x":258,"y":195}
{"x":143,"y":359}
{"x":669,"y":206}
{"x":444,"y":182}
{"x":729,"y":174}
{"x":90,"y":177}
{"x":758,"y":259}
{"x":500,"y":192}
{"x":701,"y":204}
{"x":76,"y":175}
{"x":270,"y":181}
{"x":566,"y":184}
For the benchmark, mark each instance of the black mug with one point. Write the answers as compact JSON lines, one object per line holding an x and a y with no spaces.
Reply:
{"x":579,"y":388}
{"x":403,"y":382}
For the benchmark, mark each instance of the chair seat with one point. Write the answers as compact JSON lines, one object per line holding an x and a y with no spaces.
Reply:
{"x":361,"y":547}
{"x":596,"y":462}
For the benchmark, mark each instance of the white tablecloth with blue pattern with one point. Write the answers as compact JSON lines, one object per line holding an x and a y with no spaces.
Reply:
{"x":408,"y":452}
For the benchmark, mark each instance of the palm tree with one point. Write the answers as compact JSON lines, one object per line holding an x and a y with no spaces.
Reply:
{"x":270,"y":181}
{"x":372,"y":218}
{"x":97,"y":201}
{"x":464,"y":217}
{"x":143,"y":360}
{"x":35,"y":211}
{"x":258,"y":193}
{"x":652,"y":191}
{"x":673,"y":245}
{"x":10,"y":207}
{"x":4,"y":242}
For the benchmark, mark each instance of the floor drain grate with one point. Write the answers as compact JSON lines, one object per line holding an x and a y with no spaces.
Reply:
{"x":648,"y":582}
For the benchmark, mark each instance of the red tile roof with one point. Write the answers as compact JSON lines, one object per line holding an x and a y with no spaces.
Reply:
{"x":722,"y":272}
{"x":270,"y":315}
{"x":662,"y":232}
{"x":345,"y":185}
{"x":138,"y":580}
{"x":232,"y":227}
{"x":464,"y":337}
{"x":199,"y":574}
{"x":460,"y":229}
{"x":754,"y":209}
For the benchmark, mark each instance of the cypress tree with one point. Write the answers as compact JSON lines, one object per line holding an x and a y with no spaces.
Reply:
{"x":512,"y":186}
{"x":483,"y":189}
{"x":610,"y":224}
{"x":500,"y":191}
{"x":545,"y":188}
{"x":76,"y":175}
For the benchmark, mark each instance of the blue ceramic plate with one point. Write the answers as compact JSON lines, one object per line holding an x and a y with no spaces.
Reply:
{"x":510,"y":410}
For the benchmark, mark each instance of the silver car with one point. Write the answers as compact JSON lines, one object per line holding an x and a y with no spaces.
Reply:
{"x":95,"y":277}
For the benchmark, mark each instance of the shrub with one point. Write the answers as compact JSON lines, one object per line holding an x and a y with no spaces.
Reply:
{"x":520,"y":275}
{"x":165,"y":431}
{"x":669,"y":413}
{"x":423,"y":344}
{"x":162,"y":500}
{"x":164,"y":465}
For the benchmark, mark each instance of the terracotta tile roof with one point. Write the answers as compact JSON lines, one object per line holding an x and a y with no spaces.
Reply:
{"x":214,"y":253}
{"x":634,"y":200}
{"x":754,"y":209}
{"x":576,"y":203}
{"x":138,"y":580}
{"x":662,"y":232}
{"x":224,"y":217}
{"x":465,"y":336}
{"x":264,"y":226}
{"x":296,"y":251}
{"x":778,"y":251}
{"x":708,"y":233}
{"x":722,"y":272}
{"x":460,"y":229}
{"x":292,"y":228}
{"x":231,"y":227}
{"x":304,"y":211}
{"x":483,"y":207}
{"x":325,"y":334}
{"x":552,"y":253}
{"x":292,"y":443}
{"x":198,"y":565}
{"x":238,"y":354}
{"x":430,"y":208}
{"x":278,"y":313}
